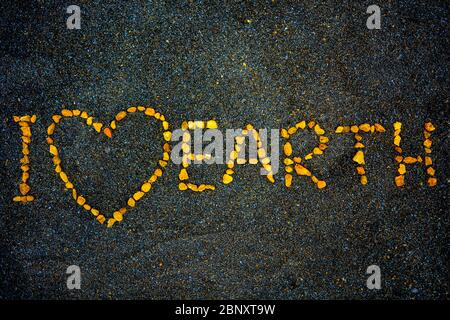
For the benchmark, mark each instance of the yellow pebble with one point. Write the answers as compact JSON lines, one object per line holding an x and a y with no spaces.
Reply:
{"x":111,"y":222}
{"x":227,"y":178}
{"x":118,"y":216}
{"x":288,"y":180}
{"x":211,"y":124}
{"x":363,"y":180}
{"x":301,"y":125}
{"x":182,"y":186}
{"x":167,"y":135}
{"x":131,"y":202}
{"x":67,"y":113}
{"x":287,"y":148}
{"x":53,"y":150}
{"x":400,"y":181}
{"x":301,"y":170}
{"x":146,"y":187}
{"x":319,"y":131}
{"x":397,"y":126}
{"x":183,"y":175}
{"x":81,"y":200}
{"x":364,"y":127}
{"x":429,"y":127}
{"x":97,"y":126}
{"x":121,"y":115}
{"x":138,"y":195}
{"x":432,"y":182}
{"x":359,"y":158}
{"x":321,"y":184}
{"x":63,"y":176}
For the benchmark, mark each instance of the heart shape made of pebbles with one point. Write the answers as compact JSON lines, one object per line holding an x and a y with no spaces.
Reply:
{"x":108,"y":131}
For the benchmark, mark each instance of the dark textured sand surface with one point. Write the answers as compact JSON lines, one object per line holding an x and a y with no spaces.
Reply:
{"x":251,"y":239}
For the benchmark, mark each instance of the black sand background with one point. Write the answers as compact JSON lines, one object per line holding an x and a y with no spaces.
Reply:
{"x":311,"y":60}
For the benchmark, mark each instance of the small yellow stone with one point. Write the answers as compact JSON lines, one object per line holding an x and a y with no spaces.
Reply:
{"x":401,"y":169}
{"x":150,"y":112}
{"x":183,"y":175}
{"x":363,"y":180}
{"x":111,"y":222}
{"x":432,"y":182}
{"x":131,"y":202}
{"x":51,"y":129}
{"x":400,"y":181}
{"x":379,"y":127}
{"x":323,"y":139}
{"x":53,"y":150}
{"x":317,"y":151}
{"x":339,"y":129}
{"x":118,"y":216}
{"x":165,"y":125}
{"x":301,"y":125}
{"x":121,"y":115}
{"x":26,"y":131}
{"x":431,"y":171}
{"x":409,"y":160}
{"x":97,"y":126}
{"x":301,"y":170}
{"x":108,"y":132}
{"x":318,"y":130}
{"x":364,"y":127}
{"x":101,"y":218}
{"x":89,"y":121}
{"x":76,"y":112}
{"x":427,"y":143}
{"x":167,"y":135}
{"x":227,"y":178}
{"x":81,"y":200}
{"x":428,"y":161}
{"x":56,"y":118}
{"x":354,"y":129}
{"x":24,"y":188}
{"x":359,"y":145}
{"x":158,"y":172}
{"x":146,"y":187}
{"x":397,"y":140}
{"x":131,"y":109}
{"x":359,"y":158}
{"x":321,"y":184}
{"x":211,"y":124}
{"x":429,"y":127}
{"x":138,"y":195}
{"x":67,"y":113}
{"x":182,"y":186}
{"x":397,"y":126}
{"x":63,"y":176}
{"x":284,"y":133}
{"x":288,"y":180}
{"x":292,"y":130}
{"x":360,"y":170}
{"x":287,"y":148}
{"x":84,"y":115}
